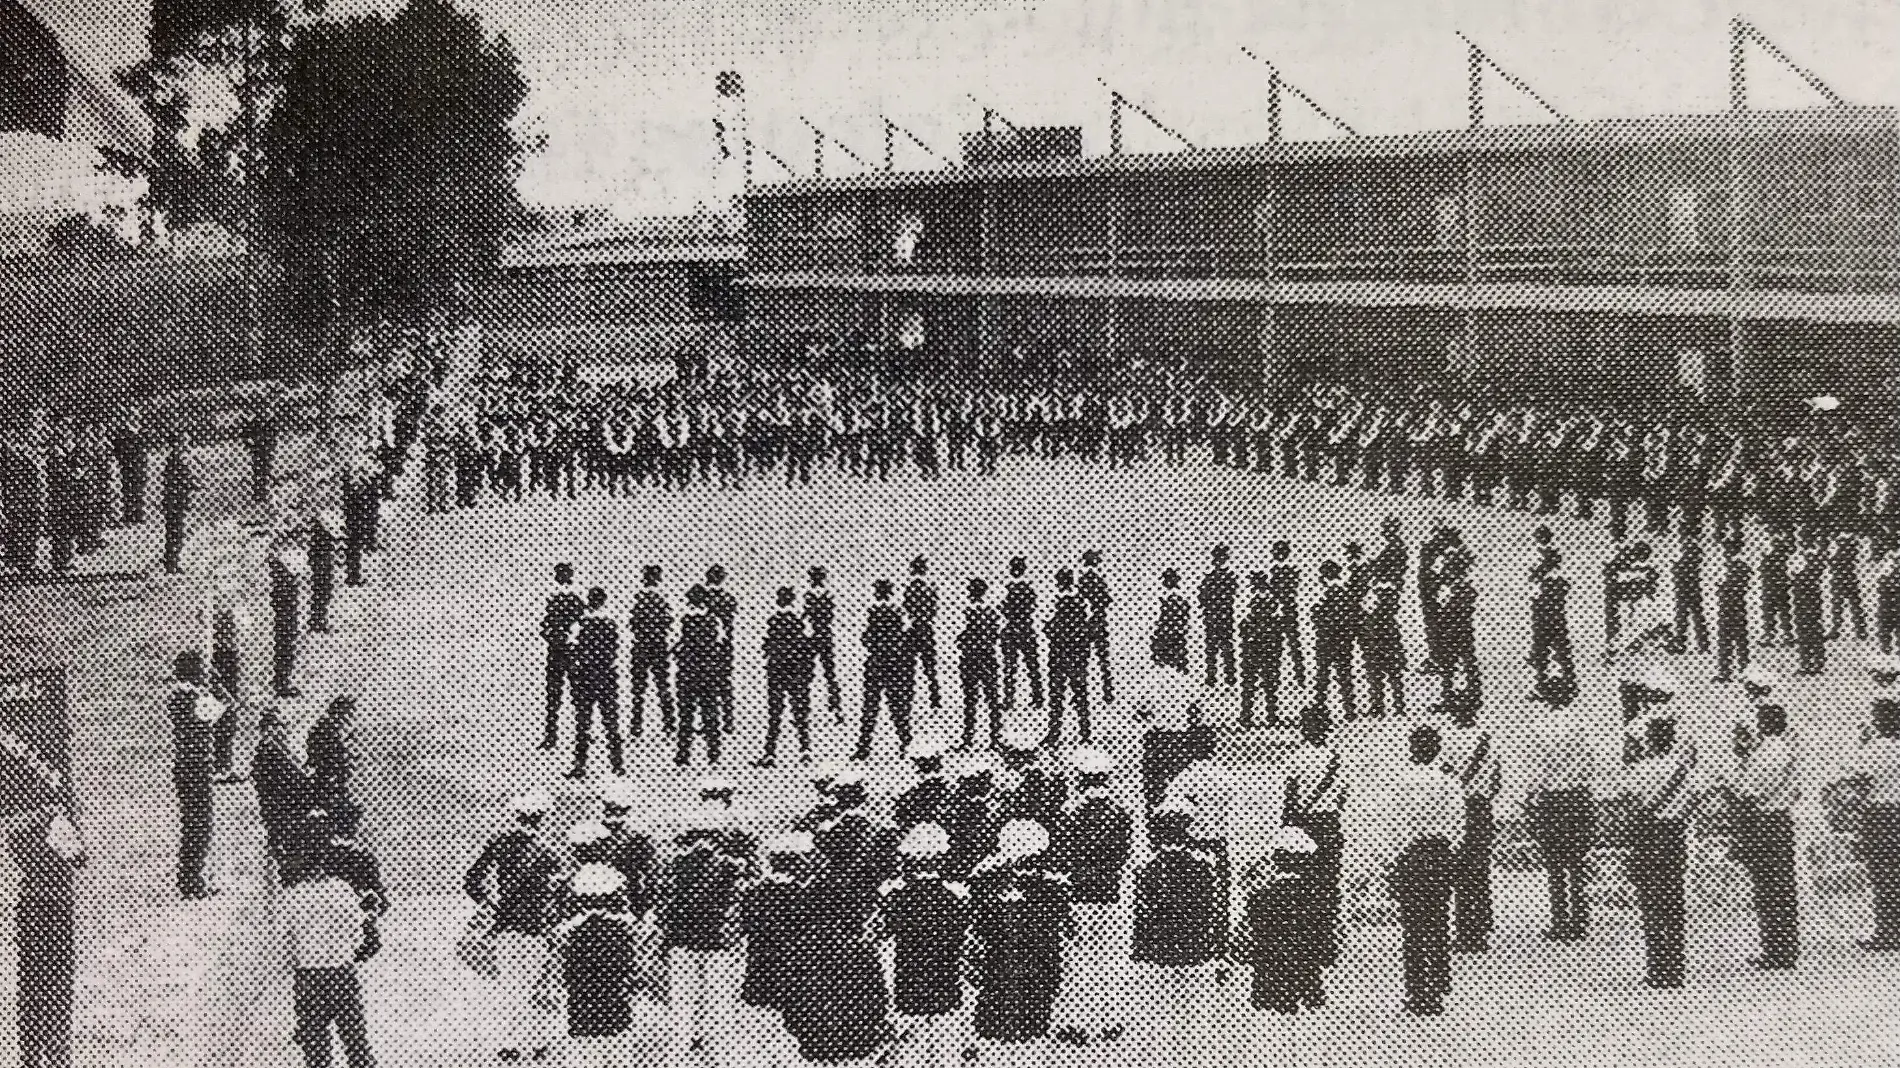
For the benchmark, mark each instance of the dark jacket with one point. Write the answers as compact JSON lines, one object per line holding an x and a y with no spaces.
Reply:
{"x":1019,"y":607}
{"x":563,"y":608}
{"x":1179,"y":909}
{"x":1218,"y":590}
{"x":699,"y":655}
{"x":820,"y":610}
{"x":884,"y":642}
{"x":982,"y":629}
{"x":927,"y":919}
{"x":523,"y":870}
{"x":191,"y":740}
{"x":330,"y":761}
{"x":788,"y":650}
{"x":702,"y":899}
{"x":600,"y":958}
{"x":924,"y":802}
{"x":1020,"y":921}
{"x":1093,"y":842}
{"x":1068,"y":629}
{"x":776,"y":963}
{"x":649,"y":623}
{"x":284,"y":792}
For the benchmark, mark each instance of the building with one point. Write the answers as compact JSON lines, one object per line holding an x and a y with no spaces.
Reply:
{"x":1748,"y":254}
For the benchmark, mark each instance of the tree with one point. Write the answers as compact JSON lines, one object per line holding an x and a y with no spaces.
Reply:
{"x":389,"y":162}
{"x":79,"y":236}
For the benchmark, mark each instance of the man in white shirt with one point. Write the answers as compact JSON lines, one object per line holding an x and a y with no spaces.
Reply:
{"x":1315,"y":791}
{"x":1659,"y":785}
{"x":1471,"y":759}
{"x":1430,"y":809}
{"x":1768,"y":785}
{"x":324,"y":926}
{"x":1562,"y":809}
{"x":1877,"y":766}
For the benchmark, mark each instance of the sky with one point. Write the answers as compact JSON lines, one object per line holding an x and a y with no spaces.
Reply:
{"x":623,"y":89}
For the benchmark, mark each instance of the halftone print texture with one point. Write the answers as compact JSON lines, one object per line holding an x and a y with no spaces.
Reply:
{"x":931,"y":533}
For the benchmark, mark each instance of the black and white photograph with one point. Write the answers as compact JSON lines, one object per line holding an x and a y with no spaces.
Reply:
{"x":949,"y":533}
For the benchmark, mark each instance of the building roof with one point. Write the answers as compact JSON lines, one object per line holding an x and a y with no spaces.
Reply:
{"x":1830,"y":122}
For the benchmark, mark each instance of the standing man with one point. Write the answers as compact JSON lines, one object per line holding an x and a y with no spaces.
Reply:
{"x":1887,"y":603}
{"x":1457,"y":620}
{"x":1804,"y":602}
{"x":1217,"y":592}
{"x":1333,"y":618}
{"x":130,"y":448}
{"x":1382,"y":648}
{"x":1094,"y":591}
{"x":284,"y":795}
{"x":1876,"y":767}
{"x":328,"y":746}
{"x":699,"y":928}
{"x":649,"y":640}
{"x":321,"y":559}
{"x":285,"y":622}
{"x":327,"y":930}
{"x":1777,"y":625}
{"x":696,"y":660}
{"x":820,"y":611}
{"x":513,"y":882}
{"x":920,"y":608}
{"x":1018,"y":638}
{"x":788,"y":673}
{"x":1068,"y":632}
{"x":593,"y":666}
{"x":1731,"y":615}
{"x":976,"y":664}
{"x":1550,"y":624}
{"x":194,"y":716}
{"x":889,"y":677}
{"x":260,"y":439}
{"x":1260,"y":640}
{"x":177,"y":484}
{"x":47,"y":848}
{"x":926,"y":915}
{"x":1659,"y":785}
{"x":1686,"y":576}
{"x":724,"y":608}
{"x":1843,"y":583}
{"x":224,"y":621}
{"x":1768,"y":784}
{"x":1431,"y":807}
{"x":564,"y":606}
{"x":1284,"y":580}
{"x":1562,"y":809}
{"x":1472,"y":762}
{"x":1315,"y":792}
{"x":1168,"y":645}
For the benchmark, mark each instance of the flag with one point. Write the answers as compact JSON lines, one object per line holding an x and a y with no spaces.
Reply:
{"x":730,"y":83}
{"x":43,"y":92}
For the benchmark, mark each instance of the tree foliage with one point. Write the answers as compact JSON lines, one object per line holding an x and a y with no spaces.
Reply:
{"x":390,"y":159}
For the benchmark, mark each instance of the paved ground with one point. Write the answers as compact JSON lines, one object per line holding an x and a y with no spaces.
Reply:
{"x":442,"y":652}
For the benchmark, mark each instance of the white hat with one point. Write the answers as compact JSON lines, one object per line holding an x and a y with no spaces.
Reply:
{"x":1824,"y":403}
{"x":532,"y":803}
{"x":1022,"y":839}
{"x":1292,"y":840}
{"x":1023,"y":740}
{"x":1760,"y":677}
{"x":925,"y":750}
{"x":826,"y":773}
{"x":586,"y":832}
{"x":617,"y":793}
{"x":597,"y":880}
{"x":1655,"y":678}
{"x":717,"y":784}
{"x":926,"y":840}
{"x":1176,"y":807}
{"x":849,"y":778}
{"x":1879,"y":664}
{"x":797,"y":843}
{"x":1091,"y":762}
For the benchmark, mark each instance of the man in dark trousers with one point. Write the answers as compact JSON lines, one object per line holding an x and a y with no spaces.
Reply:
{"x":177,"y":485}
{"x":1094,"y":591}
{"x":1018,"y":638}
{"x":1471,"y":760}
{"x":1550,"y":624}
{"x":1805,"y":572}
{"x":322,"y":567}
{"x":1067,"y":630}
{"x":1283,"y":578}
{"x":1168,"y":645}
{"x":920,"y":608}
{"x":513,"y":880}
{"x":788,"y":674}
{"x":649,"y":657}
{"x":225,"y":621}
{"x":1777,"y":625}
{"x":820,"y":612}
{"x":1457,"y":621}
{"x":1444,"y":541}
{"x":1731,"y":615}
{"x":194,"y":714}
{"x":1686,"y":577}
{"x":696,"y":659}
{"x":1659,"y":785}
{"x":285,"y":623}
{"x":1768,"y":783}
{"x":1432,"y":808}
{"x":1562,"y":807}
{"x":926,"y":916}
{"x":1333,"y":617}
{"x":593,"y":667}
{"x":1219,"y":587}
{"x":976,"y":664}
{"x":1887,"y":603}
{"x":284,"y":795}
{"x":356,"y":486}
{"x":1261,"y":637}
{"x":889,"y":676}
{"x":130,"y":450}
{"x":260,"y":439}
{"x":47,"y":849}
{"x":1876,"y":767}
{"x":564,"y":606}
{"x":724,"y":608}
{"x":1843,"y":582}
{"x":1382,"y":648}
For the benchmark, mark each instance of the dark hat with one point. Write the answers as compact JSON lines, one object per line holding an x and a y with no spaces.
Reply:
{"x":1556,"y":691}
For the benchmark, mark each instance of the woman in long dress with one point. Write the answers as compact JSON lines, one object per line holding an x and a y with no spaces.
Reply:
{"x":1022,"y":920}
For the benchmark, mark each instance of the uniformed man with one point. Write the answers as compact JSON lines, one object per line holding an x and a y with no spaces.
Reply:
{"x":725,"y":608}
{"x":1067,"y":631}
{"x":1333,"y":617}
{"x":1457,"y":621}
{"x":1767,"y":784}
{"x":1430,"y":807}
{"x":284,"y":793}
{"x":1731,"y":614}
{"x":1660,"y":787}
{"x":1561,"y":807}
{"x":1260,"y":641}
{"x":194,"y":714}
{"x":130,"y":448}
{"x":697,"y":657}
{"x":1777,"y":622}
{"x":564,"y":606}
{"x":1876,"y":768}
{"x":47,"y":848}
{"x":1180,"y":932}
{"x":260,"y":438}
{"x":1094,"y":839}
{"x":1018,"y":637}
{"x":820,"y":611}
{"x":788,"y":673}
{"x":777,"y":954}
{"x":321,"y":553}
{"x":926,"y":915}
{"x":1168,"y":645}
{"x":513,"y":882}
{"x":920,"y":612}
{"x":1843,"y":582}
{"x":1315,"y":793}
{"x":225,"y":623}
{"x":1686,"y":579}
{"x":649,"y":639}
{"x":1217,"y":592}
{"x":1805,"y":574}
{"x":1382,"y":649}
{"x":1471,"y":760}
{"x":286,"y":623}
{"x":593,"y":668}
{"x":177,"y":485}
{"x":598,"y":952}
{"x":976,"y":663}
{"x":888,"y":674}
{"x":1094,"y":592}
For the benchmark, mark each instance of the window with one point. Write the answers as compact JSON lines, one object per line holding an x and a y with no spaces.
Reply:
{"x":1448,"y":220}
{"x":1683,"y":204}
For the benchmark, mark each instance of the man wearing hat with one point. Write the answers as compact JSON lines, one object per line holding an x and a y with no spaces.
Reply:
{"x":1806,"y":571}
{"x":1767,"y":784}
{"x":628,"y":851}
{"x":649,"y":635}
{"x":1208,"y":790}
{"x":1876,"y":766}
{"x":284,"y":793}
{"x":1094,"y":839}
{"x":587,"y":843}
{"x":321,"y":554}
{"x":888,"y":675}
{"x":1017,"y":638}
{"x":564,"y":606}
{"x":1638,"y":692}
{"x":926,"y":916}
{"x":1731,"y":614}
{"x":1031,"y":789}
{"x":1180,"y":931}
{"x":593,"y":667}
{"x":1167,"y":646}
{"x":925,"y":800}
{"x":1216,"y":594}
{"x":1660,"y":785}
{"x":513,"y":881}
{"x":1431,"y":811}
{"x":920,"y":610}
{"x":725,"y":608}
{"x":1093,"y":590}
{"x":788,"y":674}
{"x":601,"y":955}
{"x":1067,"y":630}
{"x":977,"y":665}
{"x":1562,"y":809}
{"x":859,"y":849}
{"x":1550,"y":623}
{"x":820,"y":611}
{"x":1315,"y":792}
{"x":697,"y":657}
{"x":1020,"y":924}
{"x":194,"y":716}
{"x":700,"y":932}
